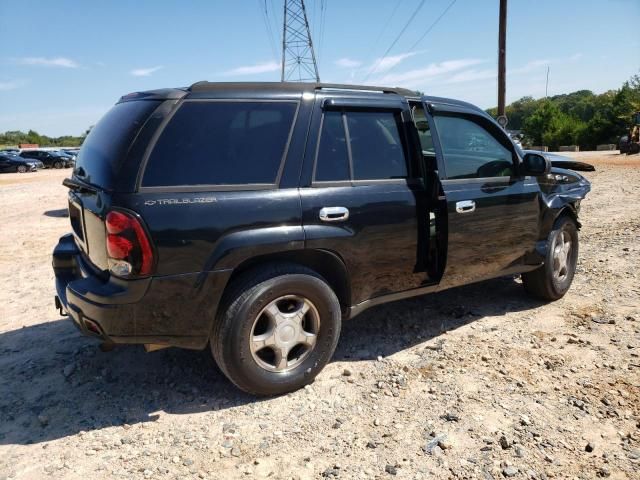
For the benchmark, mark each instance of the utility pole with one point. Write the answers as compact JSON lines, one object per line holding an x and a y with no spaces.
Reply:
{"x":546,"y":87}
{"x":502,"y":63}
{"x":298,"y":57}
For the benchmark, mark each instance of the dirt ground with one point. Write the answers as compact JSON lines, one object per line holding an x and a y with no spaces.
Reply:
{"x":477,"y":382}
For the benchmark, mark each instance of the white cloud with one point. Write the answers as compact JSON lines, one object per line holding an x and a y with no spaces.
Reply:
{"x":145,"y":72}
{"x":419,"y":76}
{"x":254,"y":69}
{"x":49,"y":62}
{"x":11,"y":85}
{"x":348,"y":63}
{"x":531,"y":66}
{"x":384,"y":64}
{"x":472,"y":76}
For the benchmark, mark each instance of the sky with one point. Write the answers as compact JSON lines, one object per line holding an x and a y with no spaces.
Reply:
{"x":63,"y":64}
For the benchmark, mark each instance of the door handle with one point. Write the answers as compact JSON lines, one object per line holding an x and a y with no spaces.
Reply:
{"x":334,"y":214}
{"x":465,"y":206}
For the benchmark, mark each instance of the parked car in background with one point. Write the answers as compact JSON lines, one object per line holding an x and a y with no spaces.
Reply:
{"x":14,"y":163}
{"x":15,"y":151}
{"x":70,"y":156}
{"x":71,"y":151}
{"x":51,"y":159}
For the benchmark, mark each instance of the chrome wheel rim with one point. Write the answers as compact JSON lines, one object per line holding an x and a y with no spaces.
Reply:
{"x":284,"y":333}
{"x":562,"y":256}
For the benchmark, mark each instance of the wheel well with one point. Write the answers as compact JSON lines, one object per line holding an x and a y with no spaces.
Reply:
{"x":570,"y":211}
{"x":327,"y":264}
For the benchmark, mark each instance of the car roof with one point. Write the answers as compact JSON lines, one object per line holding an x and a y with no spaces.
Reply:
{"x":205,"y":89}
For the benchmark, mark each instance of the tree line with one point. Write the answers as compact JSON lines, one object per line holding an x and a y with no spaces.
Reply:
{"x":579,"y":118}
{"x":16,"y":137}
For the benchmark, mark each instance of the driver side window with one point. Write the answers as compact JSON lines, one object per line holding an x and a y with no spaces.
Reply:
{"x":470,"y":151}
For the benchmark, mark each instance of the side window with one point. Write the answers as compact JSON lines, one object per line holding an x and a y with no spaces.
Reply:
{"x":333,"y":158}
{"x":376,"y":148}
{"x":375,"y":145}
{"x":470,"y":151}
{"x":221,"y":143}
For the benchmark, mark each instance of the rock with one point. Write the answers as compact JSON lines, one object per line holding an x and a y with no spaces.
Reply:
{"x":433,"y":444}
{"x":504,"y":442}
{"x":599,"y":319}
{"x":603,"y":472}
{"x":519,"y":451}
{"x":147,"y":473}
{"x":376,"y":422}
{"x":331,"y":472}
{"x":445,"y":444}
{"x":451,"y":417}
{"x":525,"y":420}
{"x":187,"y":462}
{"x":391,"y":469}
{"x":510,"y":471}
{"x":590,"y":447}
{"x":346,"y":372}
{"x":68,"y":370}
{"x":43,"y":419}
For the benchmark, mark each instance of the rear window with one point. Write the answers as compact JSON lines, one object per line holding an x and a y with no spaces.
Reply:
{"x":106,"y":146}
{"x":221,"y":143}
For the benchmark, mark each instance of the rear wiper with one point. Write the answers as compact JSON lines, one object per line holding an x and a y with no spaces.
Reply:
{"x":78,"y":185}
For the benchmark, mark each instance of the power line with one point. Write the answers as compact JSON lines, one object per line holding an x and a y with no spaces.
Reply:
{"x":323,"y":21}
{"x":406,"y":25}
{"x":384,"y":29}
{"x":427,"y":31}
{"x":431,"y":27}
{"x":276,"y":23}
{"x":265,"y":17}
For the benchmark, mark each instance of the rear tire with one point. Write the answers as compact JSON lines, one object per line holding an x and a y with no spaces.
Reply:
{"x":57,"y":165}
{"x":277,"y":328}
{"x":21,"y":169}
{"x":552,"y":280}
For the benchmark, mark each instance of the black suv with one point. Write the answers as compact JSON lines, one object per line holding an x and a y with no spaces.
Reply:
{"x":50,"y":159}
{"x":255,"y":217}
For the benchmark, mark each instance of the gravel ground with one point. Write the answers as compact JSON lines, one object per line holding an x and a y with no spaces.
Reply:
{"x":477,"y":382}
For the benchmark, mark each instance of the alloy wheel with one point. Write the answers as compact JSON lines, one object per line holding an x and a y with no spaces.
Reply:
{"x":284,"y":333}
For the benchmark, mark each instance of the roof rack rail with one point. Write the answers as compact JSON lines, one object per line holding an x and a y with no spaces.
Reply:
{"x":365,"y":88}
{"x":298,"y":87}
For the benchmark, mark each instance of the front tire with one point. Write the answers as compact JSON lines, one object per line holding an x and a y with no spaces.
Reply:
{"x":21,"y":169}
{"x":552,"y":280}
{"x":57,"y":165}
{"x":278,"y":327}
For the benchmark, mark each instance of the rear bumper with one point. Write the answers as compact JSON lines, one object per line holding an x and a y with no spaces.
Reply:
{"x":173,"y":310}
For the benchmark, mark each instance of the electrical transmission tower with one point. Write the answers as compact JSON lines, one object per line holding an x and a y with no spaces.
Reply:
{"x":298,"y":58}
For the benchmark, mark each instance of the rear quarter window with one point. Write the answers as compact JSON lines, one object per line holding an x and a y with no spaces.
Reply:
{"x":221,"y":143}
{"x":105,"y":148}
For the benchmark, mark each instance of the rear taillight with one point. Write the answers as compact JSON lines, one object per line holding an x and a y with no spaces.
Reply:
{"x":128,"y":247}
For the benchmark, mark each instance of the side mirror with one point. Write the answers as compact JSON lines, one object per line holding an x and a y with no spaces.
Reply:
{"x":534,"y":164}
